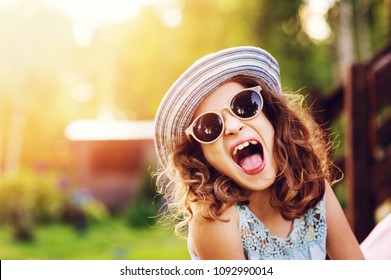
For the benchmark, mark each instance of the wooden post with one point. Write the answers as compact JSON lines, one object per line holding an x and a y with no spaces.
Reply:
{"x":357,"y":167}
{"x":388,"y":7}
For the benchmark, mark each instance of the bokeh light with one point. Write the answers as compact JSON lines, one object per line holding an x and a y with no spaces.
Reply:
{"x":313,"y":15}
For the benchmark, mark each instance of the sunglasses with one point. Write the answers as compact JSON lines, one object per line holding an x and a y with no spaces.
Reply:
{"x":209,"y":126}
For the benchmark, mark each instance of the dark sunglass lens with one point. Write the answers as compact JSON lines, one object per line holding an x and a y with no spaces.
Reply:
{"x":246,"y":104}
{"x":208,"y":127}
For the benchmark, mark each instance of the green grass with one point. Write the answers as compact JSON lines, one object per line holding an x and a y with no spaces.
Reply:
{"x":109,"y":240}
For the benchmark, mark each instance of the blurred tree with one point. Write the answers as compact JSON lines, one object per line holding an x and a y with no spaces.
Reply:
{"x":302,"y":62}
{"x":32,"y":43}
{"x":38,"y":55}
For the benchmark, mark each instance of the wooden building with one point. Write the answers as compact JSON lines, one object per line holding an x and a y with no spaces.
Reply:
{"x":111,"y":157}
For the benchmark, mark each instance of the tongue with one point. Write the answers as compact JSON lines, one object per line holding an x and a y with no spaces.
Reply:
{"x":251,"y":162}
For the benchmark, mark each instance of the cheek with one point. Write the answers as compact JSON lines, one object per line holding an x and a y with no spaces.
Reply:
{"x":265,"y":129}
{"x":215,"y":156}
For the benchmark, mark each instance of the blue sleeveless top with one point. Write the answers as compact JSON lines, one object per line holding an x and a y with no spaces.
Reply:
{"x":307,"y":240}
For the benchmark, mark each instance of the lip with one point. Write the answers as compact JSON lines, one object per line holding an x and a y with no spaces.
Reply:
{"x":254,"y":171}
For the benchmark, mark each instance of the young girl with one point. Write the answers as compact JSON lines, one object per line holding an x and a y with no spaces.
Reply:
{"x":244,"y":169}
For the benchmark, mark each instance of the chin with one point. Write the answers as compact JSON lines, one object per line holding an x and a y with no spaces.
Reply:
{"x":257,"y":183}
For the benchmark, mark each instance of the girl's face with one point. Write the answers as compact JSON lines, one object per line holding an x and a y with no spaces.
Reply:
{"x":245,"y":150}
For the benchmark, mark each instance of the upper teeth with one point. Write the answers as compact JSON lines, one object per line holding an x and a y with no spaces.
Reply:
{"x":242,"y":146}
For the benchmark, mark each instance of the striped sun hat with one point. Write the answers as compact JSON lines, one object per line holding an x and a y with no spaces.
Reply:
{"x":200,"y":79}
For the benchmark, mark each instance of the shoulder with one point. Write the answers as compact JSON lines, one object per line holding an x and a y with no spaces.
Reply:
{"x":215,"y":239}
{"x":341,"y":242}
{"x":332,"y":205}
{"x":334,"y":211}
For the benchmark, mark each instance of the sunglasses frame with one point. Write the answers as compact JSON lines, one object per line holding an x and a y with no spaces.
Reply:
{"x":190,"y":129}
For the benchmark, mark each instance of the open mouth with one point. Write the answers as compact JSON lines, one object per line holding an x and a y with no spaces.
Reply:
{"x":249,"y":156}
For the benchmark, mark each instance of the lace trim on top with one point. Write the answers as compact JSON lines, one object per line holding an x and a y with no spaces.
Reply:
{"x":258,"y":241}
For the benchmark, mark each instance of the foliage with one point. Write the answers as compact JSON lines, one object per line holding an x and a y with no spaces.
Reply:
{"x":26,"y":198}
{"x":143,"y":211}
{"x":81,"y":200}
{"x":29,"y":198}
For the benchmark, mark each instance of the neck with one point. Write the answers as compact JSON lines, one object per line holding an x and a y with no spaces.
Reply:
{"x":259,"y":203}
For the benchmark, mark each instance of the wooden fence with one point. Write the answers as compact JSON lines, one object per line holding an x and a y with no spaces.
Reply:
{"x":364,"y":100}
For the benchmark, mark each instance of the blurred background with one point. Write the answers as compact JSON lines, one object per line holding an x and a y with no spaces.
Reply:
{"x":81,"y":80}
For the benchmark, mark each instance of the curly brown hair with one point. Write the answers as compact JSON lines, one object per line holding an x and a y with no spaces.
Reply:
{"x":301,"y":152}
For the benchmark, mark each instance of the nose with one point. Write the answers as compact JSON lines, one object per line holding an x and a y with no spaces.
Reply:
{"x":232,"y":124}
